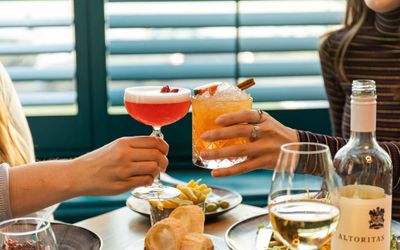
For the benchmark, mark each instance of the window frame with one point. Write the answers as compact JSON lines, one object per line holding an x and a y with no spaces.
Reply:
{"x":68,"y":136}
{"x":93,"y":126}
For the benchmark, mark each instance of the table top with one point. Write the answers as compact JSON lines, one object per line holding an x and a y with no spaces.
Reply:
{"x":122,"y":227}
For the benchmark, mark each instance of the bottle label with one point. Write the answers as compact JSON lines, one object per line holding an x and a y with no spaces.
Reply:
{"x":363,"y":114}
{"x":364,"y":224}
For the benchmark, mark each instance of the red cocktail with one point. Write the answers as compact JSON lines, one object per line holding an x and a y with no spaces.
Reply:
{"x":157,"y":114}
{"x":154,"y":107}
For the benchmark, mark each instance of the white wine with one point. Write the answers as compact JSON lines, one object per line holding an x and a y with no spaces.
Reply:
{"x":365,"y":200}
{"x":304,"y":224}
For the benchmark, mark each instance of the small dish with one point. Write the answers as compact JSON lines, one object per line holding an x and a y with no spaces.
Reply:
{"x":74,"y":237}
{"x":219,"y":244}
{"x":142,"y":206}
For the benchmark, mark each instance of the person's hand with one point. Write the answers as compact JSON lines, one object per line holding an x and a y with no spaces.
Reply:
{"x":263,"y":149}
{"x":120,"y":165}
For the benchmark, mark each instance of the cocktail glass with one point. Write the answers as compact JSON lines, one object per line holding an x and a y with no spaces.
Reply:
{"x":149,"y":106}
{"x":205,"y":110}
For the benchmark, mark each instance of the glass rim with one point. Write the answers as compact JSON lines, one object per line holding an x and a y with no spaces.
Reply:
{"x":208,"y":99}
{"x":153,"y":87}
{"x":324,"y":148}
{"x":136,"y":93}
{"x":45,"y":224}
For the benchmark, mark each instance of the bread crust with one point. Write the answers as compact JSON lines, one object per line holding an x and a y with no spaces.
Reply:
{"x":166,"y":234}
{"x":196,"y":241}
{"x":192,"y":217}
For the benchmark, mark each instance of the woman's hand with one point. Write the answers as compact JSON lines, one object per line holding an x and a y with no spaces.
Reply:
{"x":263,"y":149}
{"x":115,"y":168}
{"x":120,"y":165}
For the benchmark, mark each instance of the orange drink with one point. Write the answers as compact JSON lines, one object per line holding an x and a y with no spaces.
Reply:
{"x":205,"y":110}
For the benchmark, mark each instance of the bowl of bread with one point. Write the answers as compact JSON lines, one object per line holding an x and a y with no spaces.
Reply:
{"x":183,"y":229}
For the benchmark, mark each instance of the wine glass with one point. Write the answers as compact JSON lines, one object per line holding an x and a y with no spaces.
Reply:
{"x":156,"y":106}
{"x":303,"y":207}
{"x":27,"y":233}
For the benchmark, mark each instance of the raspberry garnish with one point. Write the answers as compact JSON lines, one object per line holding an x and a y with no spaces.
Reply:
{"x":165,"y":89}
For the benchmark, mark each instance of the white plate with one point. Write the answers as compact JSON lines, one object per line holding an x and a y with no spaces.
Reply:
{"x":219,"y":244}
{"x":243,"y":234}
{"x":142,"y":206}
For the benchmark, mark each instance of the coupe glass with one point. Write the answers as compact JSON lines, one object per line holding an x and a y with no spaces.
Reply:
{"x":302,"y":203}
{"x":148,"y":105}
{"x":27,"y":233}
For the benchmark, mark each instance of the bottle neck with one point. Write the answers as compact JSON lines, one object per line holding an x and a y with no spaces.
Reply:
{"x":363,"y":138}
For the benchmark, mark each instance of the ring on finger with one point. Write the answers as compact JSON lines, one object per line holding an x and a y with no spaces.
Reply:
{"x":254,"y":131}
{"x":260,"y":114}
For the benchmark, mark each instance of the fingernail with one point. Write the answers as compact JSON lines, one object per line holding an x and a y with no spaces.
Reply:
{"x":206,"y":136}
{"x":204,"y":154}
{"x":214,"y":173}
{"x":219,"y":120}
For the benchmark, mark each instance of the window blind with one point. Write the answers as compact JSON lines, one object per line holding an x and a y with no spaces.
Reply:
{"x":37,"y":48}
{"x":189,"y":43}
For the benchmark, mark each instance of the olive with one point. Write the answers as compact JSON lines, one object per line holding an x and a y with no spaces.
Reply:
{"x":211,"y":207}
{"x":224,"y":204}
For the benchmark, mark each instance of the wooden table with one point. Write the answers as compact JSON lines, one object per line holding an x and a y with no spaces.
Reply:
{"x":122,"y":227}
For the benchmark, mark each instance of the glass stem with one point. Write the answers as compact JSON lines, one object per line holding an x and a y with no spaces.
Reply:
{"x":157,"y":133}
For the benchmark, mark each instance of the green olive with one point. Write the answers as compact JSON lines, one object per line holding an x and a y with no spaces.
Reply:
{"x":211,"y":207}
{"x":224,"y":204}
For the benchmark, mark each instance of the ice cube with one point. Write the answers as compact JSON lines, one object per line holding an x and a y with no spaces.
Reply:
{"x":225,"y":87}
{"x":226,"y":91}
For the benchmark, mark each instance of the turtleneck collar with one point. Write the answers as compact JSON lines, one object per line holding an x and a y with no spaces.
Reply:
{"x":388,"y":23}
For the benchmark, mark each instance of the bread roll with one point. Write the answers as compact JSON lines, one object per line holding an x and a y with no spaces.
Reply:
{"x":165,"y":235}
{"x":191,"y":217}
{"x":196,"y":241}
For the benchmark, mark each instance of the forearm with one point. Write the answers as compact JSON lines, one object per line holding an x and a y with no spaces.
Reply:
{"x":112,"y":169}
{"x":335,"y":143}
{"x":40,"y":185}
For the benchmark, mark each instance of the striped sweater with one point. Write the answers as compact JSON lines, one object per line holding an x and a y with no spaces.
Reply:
{"x":374,"y":54}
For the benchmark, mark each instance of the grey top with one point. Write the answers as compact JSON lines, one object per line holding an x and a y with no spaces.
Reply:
{"x":5,"y":209}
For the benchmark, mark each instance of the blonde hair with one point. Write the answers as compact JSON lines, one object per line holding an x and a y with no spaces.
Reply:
{"x":10,"y":151}
{"x":357,"y":14}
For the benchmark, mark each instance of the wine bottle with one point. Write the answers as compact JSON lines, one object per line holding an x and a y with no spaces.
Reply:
{"x":365,"y":200}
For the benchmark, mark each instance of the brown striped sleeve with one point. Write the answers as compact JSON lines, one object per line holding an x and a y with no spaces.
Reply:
{"x":335,"y":94}
{"x":393,"y":149}
{"x":335,"y":143}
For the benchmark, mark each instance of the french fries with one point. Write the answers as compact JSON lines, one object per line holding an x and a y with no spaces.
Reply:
{"x":191,"y":193}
